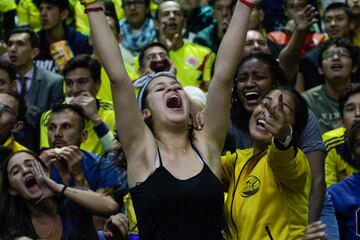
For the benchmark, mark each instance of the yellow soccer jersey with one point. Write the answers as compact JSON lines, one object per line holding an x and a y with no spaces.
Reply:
{"x":105,"y":90}
{"x":268,"y":194}
{"x":336,"y":168}
{"x":7,"y":5}
{"x":82,"y":22}
{"x":92,"y":143}
{"x":193,"y":64}
{"x":28,"y":14}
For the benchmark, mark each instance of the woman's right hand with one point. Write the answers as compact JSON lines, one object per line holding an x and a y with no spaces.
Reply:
{"x":315,"y":231}
{"x":48,"y":187}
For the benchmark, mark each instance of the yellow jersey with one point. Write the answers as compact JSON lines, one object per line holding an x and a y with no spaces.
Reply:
{"x":28,"y":14}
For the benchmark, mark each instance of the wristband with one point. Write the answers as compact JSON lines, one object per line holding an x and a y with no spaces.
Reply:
{"x":93,"y":9}
{"x":249,"y":4}
{"x":63,"y":191}
{"x":87,"y":2}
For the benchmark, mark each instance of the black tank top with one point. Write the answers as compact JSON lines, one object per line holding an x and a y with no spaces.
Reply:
{"x":169,"y":208}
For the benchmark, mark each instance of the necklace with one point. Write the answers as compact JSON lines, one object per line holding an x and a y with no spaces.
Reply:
{"x":171,"y":148}
{"x":51,"y":228}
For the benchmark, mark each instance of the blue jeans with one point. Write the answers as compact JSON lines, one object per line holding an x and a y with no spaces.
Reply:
{"x":328,"y":217}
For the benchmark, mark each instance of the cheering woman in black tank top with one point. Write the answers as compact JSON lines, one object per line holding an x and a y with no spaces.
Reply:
{"x":173,"y":174}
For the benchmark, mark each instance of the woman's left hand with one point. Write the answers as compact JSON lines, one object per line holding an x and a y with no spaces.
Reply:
{"x":276,"y":120}
{"x":48,"y":186}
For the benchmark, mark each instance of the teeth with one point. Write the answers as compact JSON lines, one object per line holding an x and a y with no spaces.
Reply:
{"x":251,"y":93}
{"x":261,"y":121}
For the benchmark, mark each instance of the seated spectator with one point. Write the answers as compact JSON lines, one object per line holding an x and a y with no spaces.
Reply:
{"x":339,"y":162}
{"x":35,"y":206}
{"x":41,"y":88}
{"x":197,"y":17}
{"x":338,"y":23}
{"x":282,"y":37}
{"x":71,"y":165}
{"x":28,"y":14}
{"x":7,"y":75}
{"x":12,"y":118}
{"x":138,"y":27}
{"x":82,"y":82}
{"x":212,"y":35}
{"x":193,"y":62}
{"x":55,"y":34}
{"x":345,"y":194}
{"x":337,"y":62}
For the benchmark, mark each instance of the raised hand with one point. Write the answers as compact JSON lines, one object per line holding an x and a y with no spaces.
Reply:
{"x":48,"y":187}
{"x":315,"y":231}
{"x":305,"y":18}
{"x":276,"y":120}
{"x":88,"y":103}
{"x":73,"y":157}
{"x":49,"y":157}
{"x":169,"y":43}
{"x":117,"y":227}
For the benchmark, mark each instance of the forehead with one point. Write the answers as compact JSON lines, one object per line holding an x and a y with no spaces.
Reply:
{"x":19,"y":158}
{"x":335,"y":12}
{"x":78,"y":73}
{"x":353,"y":99}
{"x":253,"y":64}
{"x":8,"y":100}
{"x":222,"y":3}
{"x":65,"y":116}
{"x":254,"y":35}
{"x":296,"y":1}
{"x":162,"y":80}
{"x":335,"y":48}
{"x":169,"y":6}
{"x":155,"y":49}
{"x":25,"y":37}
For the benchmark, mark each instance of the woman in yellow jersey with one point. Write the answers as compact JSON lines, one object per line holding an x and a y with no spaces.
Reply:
{"x":269,"y":184}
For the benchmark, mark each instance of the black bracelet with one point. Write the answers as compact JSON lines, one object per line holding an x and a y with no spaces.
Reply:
{"x":63,"y":191}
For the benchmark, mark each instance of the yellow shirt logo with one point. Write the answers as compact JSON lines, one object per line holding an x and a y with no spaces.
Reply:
{"x":251,"y":187}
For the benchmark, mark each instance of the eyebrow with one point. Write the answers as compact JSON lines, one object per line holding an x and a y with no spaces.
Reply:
{"x":17,"y":165}
{"x":285,"y":104}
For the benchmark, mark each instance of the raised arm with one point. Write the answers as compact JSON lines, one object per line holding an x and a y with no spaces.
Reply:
{"x":217,"y":111}
{"x":124,"y":98}
{"x":289,"y":56}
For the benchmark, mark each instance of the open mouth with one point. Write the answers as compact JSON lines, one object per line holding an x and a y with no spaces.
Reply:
{"x":252,"y":96}
{"x":174,"y":102}
{"x":336,"y":67}
{"x":30,"y":182}
{"x":260,"y":122}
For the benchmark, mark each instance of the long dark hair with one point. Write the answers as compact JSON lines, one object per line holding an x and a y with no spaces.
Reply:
{"x":238,"y":114}
{"x":15,"y":218}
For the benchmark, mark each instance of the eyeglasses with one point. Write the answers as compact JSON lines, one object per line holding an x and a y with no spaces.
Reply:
{"x":6,"y":109}
{"x":331,"y":54}
{"x":134,"y":3}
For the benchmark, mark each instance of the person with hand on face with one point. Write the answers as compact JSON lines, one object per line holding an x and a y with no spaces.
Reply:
{"x":193,"y":62}
{"x":67,"y":162}
{"x":212,"y":35}
{"x":154,"y":58}
{"x":35,"y":206}
{"x":274,"y":175}
{"x":82,"y":82}
{"x":173,"y":174}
